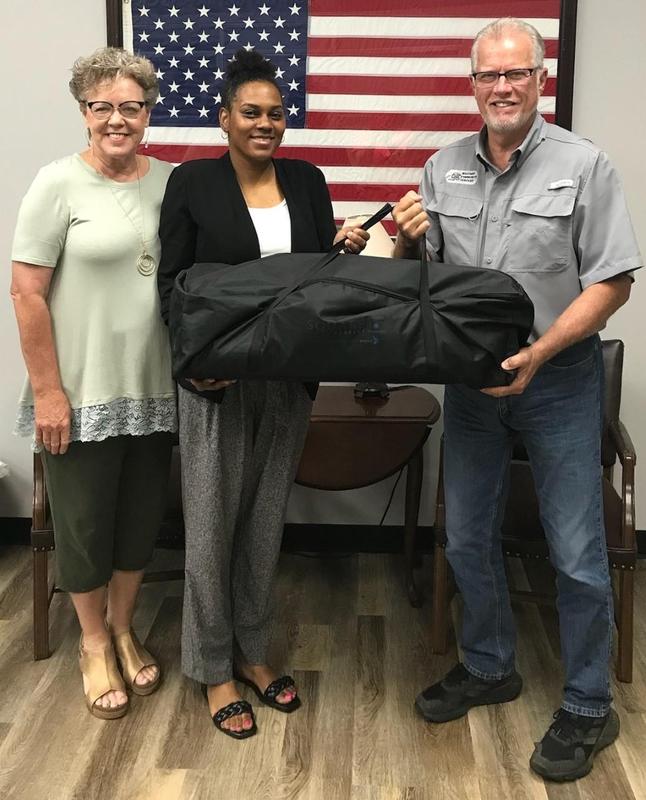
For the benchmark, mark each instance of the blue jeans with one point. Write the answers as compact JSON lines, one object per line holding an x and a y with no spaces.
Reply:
{"x":559,"y":418}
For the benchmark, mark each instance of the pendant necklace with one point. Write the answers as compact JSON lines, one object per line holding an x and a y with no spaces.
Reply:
{"x":146,"y":265}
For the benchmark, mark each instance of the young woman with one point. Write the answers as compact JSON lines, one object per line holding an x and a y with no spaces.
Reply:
{"x":240,"y":441}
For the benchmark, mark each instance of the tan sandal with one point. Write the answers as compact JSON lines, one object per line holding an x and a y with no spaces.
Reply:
{"x":133,"y":657}
{"x":100,"y":669}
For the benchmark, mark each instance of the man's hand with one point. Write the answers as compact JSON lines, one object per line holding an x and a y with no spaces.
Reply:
{"x":412,"y":223}
{"x":526,"y":362}
{"x":52,"y":421}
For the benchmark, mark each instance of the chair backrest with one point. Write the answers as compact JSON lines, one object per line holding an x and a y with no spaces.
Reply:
{"x":613,"y":363}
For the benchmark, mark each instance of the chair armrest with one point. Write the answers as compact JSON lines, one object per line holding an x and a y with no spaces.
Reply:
{"x":622,"y":443}
{"x":626,"y":451}
{"x":39,"y":509}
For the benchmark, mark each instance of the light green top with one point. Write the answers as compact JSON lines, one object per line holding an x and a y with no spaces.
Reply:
{"x":111,"y":343}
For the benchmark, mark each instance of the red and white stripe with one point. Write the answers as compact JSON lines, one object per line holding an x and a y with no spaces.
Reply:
{"x":387,"y":85}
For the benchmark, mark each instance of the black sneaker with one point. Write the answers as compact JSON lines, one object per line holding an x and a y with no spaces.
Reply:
{"x":459,"y":691}
{"x":567,"y":750}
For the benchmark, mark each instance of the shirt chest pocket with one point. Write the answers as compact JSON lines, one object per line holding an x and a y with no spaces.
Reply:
{"x":459,"y":221}
{"x":538,"y":233}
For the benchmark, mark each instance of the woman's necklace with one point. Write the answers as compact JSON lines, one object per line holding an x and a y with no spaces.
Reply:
{"x":145,"y":262}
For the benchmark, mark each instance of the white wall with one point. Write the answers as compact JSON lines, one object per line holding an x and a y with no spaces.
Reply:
{"x":40,"y":123}
{"x":609,"y":108}
{"x":40,"y":40}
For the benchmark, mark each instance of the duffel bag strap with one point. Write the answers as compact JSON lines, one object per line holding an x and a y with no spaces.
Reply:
{"x":261,"y":319}
{"x":428,"y":325}
{"x":327,"y":258}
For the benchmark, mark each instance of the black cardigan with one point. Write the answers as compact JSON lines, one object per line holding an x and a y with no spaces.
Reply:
{"x":204,"y":218}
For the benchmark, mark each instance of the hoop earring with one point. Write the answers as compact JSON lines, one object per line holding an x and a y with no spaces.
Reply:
{"x":224,"y":134}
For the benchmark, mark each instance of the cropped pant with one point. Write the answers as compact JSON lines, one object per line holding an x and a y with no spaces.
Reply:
{"x":107,"y":500}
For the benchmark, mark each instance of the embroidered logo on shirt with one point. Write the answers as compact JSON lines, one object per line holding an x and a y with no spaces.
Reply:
{"x":467,"y":176}
{"x":561,"y":184}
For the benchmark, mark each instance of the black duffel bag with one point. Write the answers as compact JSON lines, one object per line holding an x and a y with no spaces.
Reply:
{"x":301,"y":316}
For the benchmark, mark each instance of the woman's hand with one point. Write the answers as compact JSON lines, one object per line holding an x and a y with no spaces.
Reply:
{"x":355,"y":239}
{"x":52,"y":421}
{"x":210,"y":384}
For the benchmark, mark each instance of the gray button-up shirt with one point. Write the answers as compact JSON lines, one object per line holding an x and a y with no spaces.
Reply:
{"x":555,"y":219}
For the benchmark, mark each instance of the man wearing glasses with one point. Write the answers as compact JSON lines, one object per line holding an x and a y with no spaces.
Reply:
{"x":544,"y":205}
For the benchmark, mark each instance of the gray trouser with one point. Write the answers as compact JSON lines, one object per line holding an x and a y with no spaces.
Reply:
{"x":239,"y":459}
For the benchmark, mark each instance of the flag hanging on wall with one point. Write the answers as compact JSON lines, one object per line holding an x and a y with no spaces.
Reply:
{"x":371,"y":87}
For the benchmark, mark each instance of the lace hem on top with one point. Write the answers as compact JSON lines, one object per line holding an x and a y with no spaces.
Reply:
{"x":122,"y":417}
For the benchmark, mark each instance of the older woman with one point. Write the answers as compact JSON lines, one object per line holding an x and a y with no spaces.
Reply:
{"x":100,"y":397}
{"x":240,"y":448}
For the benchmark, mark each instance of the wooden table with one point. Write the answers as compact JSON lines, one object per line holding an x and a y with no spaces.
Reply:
{"x":353,"y":443}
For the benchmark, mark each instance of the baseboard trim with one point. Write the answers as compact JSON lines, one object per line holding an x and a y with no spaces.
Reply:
{"x":306,"y":537}
{"x":15,"y":530}
{"x":341,"y":539}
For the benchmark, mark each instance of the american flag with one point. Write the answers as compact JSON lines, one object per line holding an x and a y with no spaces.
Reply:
{"x":371,"y":87}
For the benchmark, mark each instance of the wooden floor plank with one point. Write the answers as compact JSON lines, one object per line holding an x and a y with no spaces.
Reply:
{"x":359,"y":653}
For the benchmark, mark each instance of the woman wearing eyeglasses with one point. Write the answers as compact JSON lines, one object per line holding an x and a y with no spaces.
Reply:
{"x":100,"y":399}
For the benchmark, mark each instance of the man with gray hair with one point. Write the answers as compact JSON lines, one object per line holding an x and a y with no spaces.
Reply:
{"x":535,"y":201}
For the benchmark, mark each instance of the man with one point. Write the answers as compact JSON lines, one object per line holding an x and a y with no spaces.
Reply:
{"x":544,"y":205}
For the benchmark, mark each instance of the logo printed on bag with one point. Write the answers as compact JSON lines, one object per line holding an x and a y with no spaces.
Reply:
{"x":366,"y":333}
{"x":466,"y":176}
